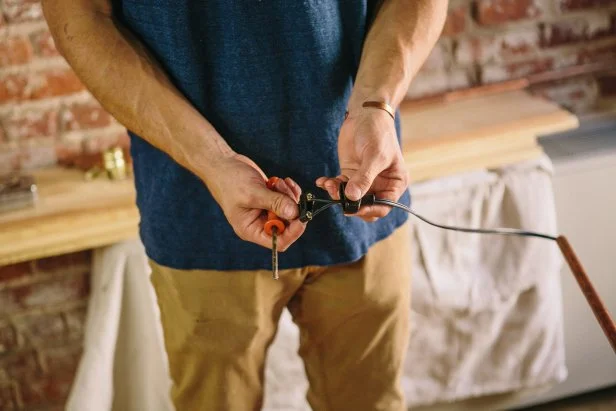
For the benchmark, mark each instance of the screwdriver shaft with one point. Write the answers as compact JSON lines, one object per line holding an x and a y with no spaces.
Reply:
{"x":275,"y":253}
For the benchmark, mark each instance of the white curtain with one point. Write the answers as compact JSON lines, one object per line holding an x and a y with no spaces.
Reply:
{"x":124,"y":366}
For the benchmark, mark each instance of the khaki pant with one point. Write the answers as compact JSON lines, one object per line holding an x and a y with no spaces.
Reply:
{"x":353,"y":320}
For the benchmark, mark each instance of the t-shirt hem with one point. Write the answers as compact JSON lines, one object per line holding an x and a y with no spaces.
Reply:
{"x":196,"y":262}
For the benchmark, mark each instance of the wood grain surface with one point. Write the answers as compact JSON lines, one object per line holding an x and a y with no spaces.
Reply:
{"x":71,"y":214}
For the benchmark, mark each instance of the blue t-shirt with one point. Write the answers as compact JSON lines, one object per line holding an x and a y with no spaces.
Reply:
{"x":273,"y":77}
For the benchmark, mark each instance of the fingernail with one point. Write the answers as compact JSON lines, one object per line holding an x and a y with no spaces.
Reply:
{"x":289,"y":211}
{"x":352,"y":193}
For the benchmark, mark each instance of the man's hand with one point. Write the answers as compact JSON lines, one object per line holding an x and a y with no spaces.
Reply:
{"x":108,"y":58}
{"x":239,"y":187}
{"x":398,"y":42}
{"x":370,"y":160}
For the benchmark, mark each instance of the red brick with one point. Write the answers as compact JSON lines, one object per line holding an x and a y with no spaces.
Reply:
{"x":31,"y":124}
{"x":12,"y":271}
{"x":431,"y":83}
{"x":43,"y":328}
{"x":438,"y":59}
{"x":488,"y":12}
{"x":37,"y":152}
{"x":66,"y":153}
{"x":471,"y":50}
{"x":58,"y":83}
{"x":97,"y":144}
{"x":13,"y":87}
{"x":518,"y":43}
{"x":64,"y":261}
{"x":62,"y":360}
{"x":46,"y":389}
{"x":456,"y":20}
{"x":491,"y":73}
{"x":595,"y":54}
{"x":513,"y":44}
{"x":54,"y":385}
{"x":22,"y":10}
{"x":20,"y":364}
{"x":576,"y":30}
{"x":10,"y":158}
{"x":578,"y":94}
{"x":33,"y":86}
{"x":607,"y":84}
{"x":8,"y":396}
{"x":8,"y":337}
{"x":15,"y":51}
{"x":76,"y":320}
{"x":54,"y":290}
{"x":43,"y":43}
{"x":84,"y":116}
{"x":583,"y":4}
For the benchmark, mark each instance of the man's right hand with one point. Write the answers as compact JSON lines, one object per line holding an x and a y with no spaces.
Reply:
{"x":84,"y":32}
{"x":239,"y":187}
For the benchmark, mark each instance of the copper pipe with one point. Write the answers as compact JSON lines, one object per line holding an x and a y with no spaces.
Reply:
{"x":592,"y":297}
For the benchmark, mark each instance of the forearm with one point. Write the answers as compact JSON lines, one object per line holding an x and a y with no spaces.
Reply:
{"x":128,"y":83}
{"x":398,"y":43}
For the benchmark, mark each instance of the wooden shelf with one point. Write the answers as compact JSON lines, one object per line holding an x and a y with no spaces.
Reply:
{"x":73,"y":214}
{"x":483,"y":132}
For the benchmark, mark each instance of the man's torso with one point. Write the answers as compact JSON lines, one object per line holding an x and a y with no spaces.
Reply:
{"x":273,"y":78}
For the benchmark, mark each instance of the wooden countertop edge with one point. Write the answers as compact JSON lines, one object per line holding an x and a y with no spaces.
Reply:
{"x":550,"y":123}
{"x":105,"y":227}
{"x":79,"y":241}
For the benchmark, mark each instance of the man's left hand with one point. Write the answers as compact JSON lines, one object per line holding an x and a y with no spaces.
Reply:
{"x":370,"y":161}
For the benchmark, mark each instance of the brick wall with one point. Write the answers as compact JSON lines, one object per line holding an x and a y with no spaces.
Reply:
{"x":45,"y":113}
{"x":489,"y":41}
{"x":43,"y":306}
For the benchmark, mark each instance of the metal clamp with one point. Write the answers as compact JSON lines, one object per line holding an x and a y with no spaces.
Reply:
{"x":308,"y":208}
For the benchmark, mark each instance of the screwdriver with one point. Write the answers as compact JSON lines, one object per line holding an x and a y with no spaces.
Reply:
{"x":273,"y":227}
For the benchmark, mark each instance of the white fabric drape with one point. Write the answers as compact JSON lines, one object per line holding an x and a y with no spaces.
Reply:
{"x":124,"y":366}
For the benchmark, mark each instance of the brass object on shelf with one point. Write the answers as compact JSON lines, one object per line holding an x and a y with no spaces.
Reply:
{"x":114,"y":166}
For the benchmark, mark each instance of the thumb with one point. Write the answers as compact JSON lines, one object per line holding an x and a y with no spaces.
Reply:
{"x":281,"y":204}
{"x":361,"y":181}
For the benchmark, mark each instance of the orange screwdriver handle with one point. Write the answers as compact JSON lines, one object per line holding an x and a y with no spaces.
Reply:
{"x":272,"y":219}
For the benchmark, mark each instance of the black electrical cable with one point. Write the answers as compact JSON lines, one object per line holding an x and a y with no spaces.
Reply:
{"x":351,"y":207}
{"x":503,"y":231}
{"x":307,"y":212}
{"x":325,"y":207}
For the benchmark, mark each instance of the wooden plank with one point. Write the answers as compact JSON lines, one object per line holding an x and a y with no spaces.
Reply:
{"x":472,"y":149}
{"x":424,"y":172}
{"x":71,"y":214}
{"x":478,"y":133}
{"x":475,"y":119}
